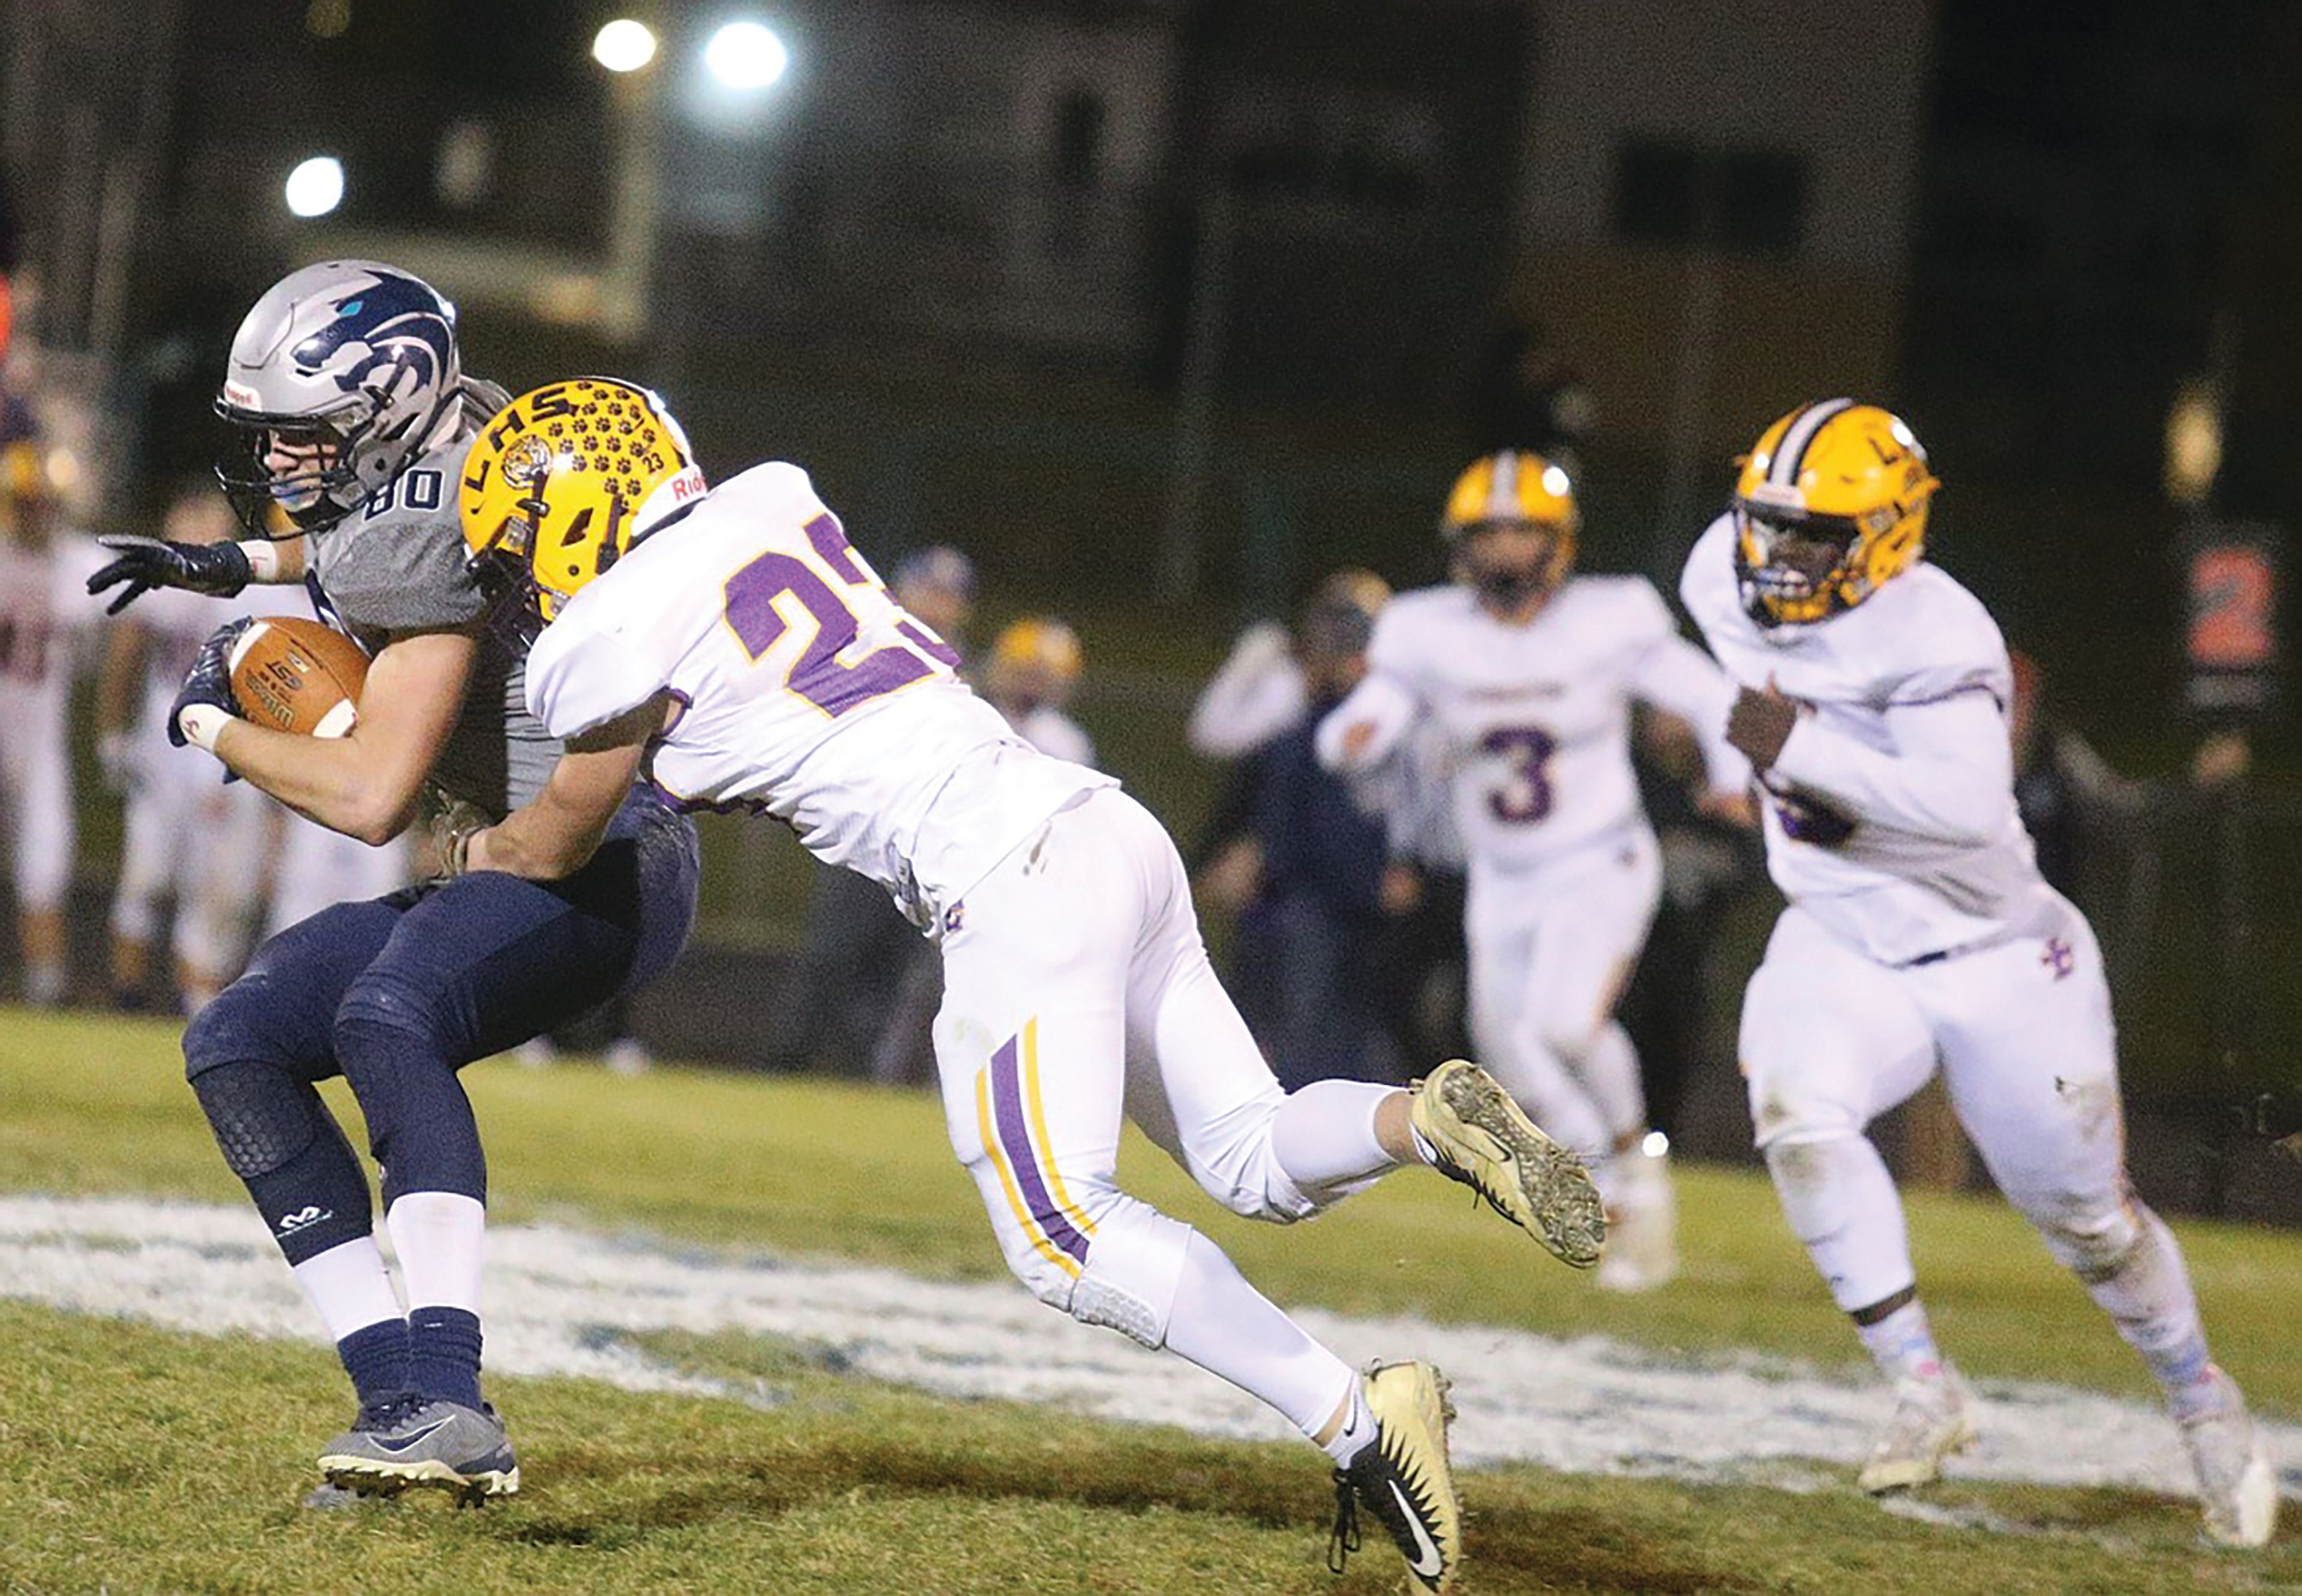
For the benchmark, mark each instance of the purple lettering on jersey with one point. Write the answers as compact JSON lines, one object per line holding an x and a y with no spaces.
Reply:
{"x":818,"y":676}
{"x":1525,"y":796}
{"x":838,"y":552}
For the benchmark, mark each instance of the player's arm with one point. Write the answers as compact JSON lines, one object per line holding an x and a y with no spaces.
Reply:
{"x":1950,"y":777}
{"x":1678,"y":678}
{"x":556,"y":833}
{"x":367,"y":783}
{"x":1367,"y":728}
{"x":220,"y":570}
{"x":1256,"y":694}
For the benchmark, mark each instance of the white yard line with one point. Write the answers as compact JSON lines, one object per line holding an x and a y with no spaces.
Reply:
{"x":565,"y":1302}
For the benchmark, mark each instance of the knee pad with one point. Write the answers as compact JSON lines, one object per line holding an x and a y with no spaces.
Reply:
{"x":245,"y":1022}
{"x":263,"y":1119}
{"x":1134,"y":1265}
{"x":1786,"y":1109}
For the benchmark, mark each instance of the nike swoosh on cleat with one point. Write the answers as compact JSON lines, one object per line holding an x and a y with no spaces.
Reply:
{"x":1426,"y":1560}
{"x":406,"y":1441}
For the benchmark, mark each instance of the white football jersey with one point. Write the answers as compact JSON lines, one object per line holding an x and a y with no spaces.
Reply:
{"x":43,"y":607}
{"x":809,"y":694}
{"x":1534,"y":721}
{"x":1891,"y":814}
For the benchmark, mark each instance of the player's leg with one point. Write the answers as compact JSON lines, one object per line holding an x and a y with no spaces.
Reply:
{"x":2030,"y":1054}
{"x":1829,"y":1041}
{"x":216,"y":899}
{"x":476,"y":965}
{"x":1503,"y":922}
{"x":154,"y":841}
{"x":45,"y":834}
{"x":1031,"y":1050}
{"x":1594,"y":911}
{"x":252,"y":1057}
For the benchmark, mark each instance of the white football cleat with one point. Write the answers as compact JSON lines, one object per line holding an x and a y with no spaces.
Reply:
{"x":2236,"y":1486}
{"x":1641,"y":1223}
{"x":1933,"y":1418}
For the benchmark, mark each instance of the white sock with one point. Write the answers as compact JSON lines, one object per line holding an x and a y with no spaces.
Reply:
{"x":1902,"y":1344}
{"x":350,"y":1286}
{"x":1230,"y":1328}
{"x":1323,"y":1137}
{"x":1357,"y":1429}
{"x":439,"y":1236}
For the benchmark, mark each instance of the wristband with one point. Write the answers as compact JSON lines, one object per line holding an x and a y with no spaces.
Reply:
{"x":263,"y":559}
{"x":202,"y":725}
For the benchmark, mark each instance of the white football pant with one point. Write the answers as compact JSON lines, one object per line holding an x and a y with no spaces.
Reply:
{"x":1551,"y":951}
{"x":35,"y":782}
{"x":2022,"y":1032}
{"x":1076,"y":989}
{"x":191,"y":835}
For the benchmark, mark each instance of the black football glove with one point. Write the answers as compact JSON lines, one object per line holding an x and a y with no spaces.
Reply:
{"x":217,"y":569}
{"x":209,"y":681}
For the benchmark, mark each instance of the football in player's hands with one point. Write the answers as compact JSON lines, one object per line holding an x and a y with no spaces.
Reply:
{"x":296,"y":676}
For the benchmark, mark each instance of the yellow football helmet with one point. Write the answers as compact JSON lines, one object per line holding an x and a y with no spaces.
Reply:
{"x":1839,"y":472}
{"x":561,"y":482}
{"x":1514,"y":486}
{"x":1040,"y":647}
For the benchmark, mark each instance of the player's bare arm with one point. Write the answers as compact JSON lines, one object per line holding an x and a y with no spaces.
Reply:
{"x":1761,"y":723}
{"x":556,"y":833}
{"x":366,"y":784}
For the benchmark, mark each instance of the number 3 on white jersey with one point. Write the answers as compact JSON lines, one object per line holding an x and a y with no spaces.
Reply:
{"x":806,"y":612}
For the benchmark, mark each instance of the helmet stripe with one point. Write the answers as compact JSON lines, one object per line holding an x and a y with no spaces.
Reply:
{"x":1782,"y":470}
{"x":1502,"y":492}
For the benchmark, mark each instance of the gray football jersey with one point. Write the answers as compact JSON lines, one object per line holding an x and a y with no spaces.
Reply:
{"x":397,"y":565}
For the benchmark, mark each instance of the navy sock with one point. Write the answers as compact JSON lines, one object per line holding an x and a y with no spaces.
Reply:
{"x":443,"y":1353}
{"x":377,"y":1358}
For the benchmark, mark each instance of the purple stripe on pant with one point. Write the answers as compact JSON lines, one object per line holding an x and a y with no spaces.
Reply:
{"x":1014,"y":1135}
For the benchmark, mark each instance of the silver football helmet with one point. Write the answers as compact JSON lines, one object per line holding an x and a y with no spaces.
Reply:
{"x":336,"y":378}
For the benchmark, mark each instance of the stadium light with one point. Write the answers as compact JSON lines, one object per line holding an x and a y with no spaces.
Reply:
{"x":315,"y":187}
{"x":624,"y":45}
{"x":746,"y":55}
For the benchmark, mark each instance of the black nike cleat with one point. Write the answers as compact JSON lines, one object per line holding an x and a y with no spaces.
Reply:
{"x":1402,"y":1476}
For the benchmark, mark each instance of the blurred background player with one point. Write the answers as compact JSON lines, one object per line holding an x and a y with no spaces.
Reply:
{"x":1532,"y":672}
{"x":206,"y":844}
{"x":1032,"y":671}
{"x":857,"y":955}
{"x":1873,"y":702}
{"x":42,"y":613}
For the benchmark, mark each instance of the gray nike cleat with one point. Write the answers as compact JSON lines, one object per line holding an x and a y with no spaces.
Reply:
{"x":1483,"y":1140}
{"x":435,"y":1442}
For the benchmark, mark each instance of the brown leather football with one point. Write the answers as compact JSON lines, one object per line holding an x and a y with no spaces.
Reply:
{"x":297,"y":676}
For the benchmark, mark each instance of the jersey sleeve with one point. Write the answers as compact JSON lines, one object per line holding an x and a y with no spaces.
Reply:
{"x":399,"y":572}
{"x":1949,"y":778}
{"x":579,"y":677}
{"x":1706,"y":587}
{"x":1958,"y":649}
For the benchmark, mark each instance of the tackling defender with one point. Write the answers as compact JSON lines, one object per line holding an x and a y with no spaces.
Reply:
{"x":1529,"y":673}
{"x":744,"y":655}
{"x":1873,"y":704}
{"x":345,"y":386}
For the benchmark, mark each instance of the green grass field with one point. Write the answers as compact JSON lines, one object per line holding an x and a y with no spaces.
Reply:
{"x":143,"y":1460}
